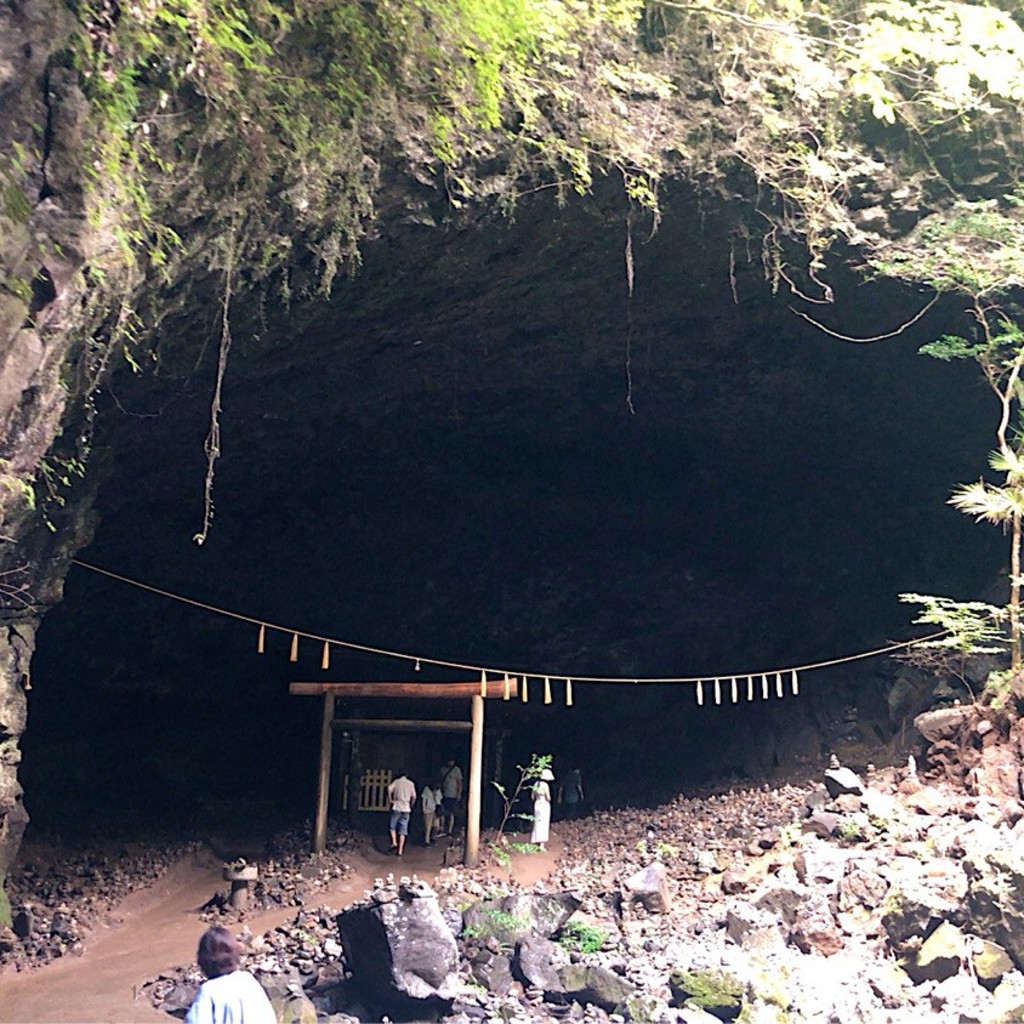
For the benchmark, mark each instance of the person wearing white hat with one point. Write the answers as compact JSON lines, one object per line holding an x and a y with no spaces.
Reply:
{"x":542,"y":809}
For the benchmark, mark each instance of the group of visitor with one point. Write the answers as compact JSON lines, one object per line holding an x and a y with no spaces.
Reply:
{"x":441,"y":803}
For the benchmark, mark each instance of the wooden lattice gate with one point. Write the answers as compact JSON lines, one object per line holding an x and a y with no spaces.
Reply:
{"x":373,"y":790}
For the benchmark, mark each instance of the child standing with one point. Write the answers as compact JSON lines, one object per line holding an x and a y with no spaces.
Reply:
{"x":431,"y":800}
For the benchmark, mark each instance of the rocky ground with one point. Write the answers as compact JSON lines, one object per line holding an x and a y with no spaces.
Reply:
{"x":873,"y":897}
{"x":856,"y":896}
{"x":56,"y":902}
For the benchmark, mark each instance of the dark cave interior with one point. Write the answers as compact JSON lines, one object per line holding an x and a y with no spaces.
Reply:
{"x":483,"y":449}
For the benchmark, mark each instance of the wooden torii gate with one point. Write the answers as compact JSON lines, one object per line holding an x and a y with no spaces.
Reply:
{"x":475,"y":692}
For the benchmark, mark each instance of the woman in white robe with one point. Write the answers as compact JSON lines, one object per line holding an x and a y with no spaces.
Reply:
{"x":542,"y":809}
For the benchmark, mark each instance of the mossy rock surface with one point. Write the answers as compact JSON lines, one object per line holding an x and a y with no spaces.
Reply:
{"x":5,"y":904}
{"x":990,"y":961}
{"x":714,"y":992}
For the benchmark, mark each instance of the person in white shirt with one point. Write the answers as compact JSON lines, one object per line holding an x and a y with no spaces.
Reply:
{"x":229,"y":996}
{"x":402,"y":794}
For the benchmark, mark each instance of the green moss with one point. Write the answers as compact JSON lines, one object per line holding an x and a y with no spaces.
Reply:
{"x":5,"y":904}
{"x":286,"y":100}
{"x":497,"y":924}
{"x":716,"y":992}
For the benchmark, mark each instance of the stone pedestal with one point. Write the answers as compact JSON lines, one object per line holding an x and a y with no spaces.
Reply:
{"x":240,"y":875}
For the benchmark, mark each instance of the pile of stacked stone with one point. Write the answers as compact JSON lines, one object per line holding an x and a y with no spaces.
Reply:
{"x":53,"y":906}
{"x":291,"y":879}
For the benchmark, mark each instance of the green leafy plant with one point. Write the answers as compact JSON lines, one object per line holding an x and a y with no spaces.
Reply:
{"x":582,"y":937}
{"x":666,"y":851}
{"x":502,"y":850}
{"x":496,"y":924}
{"x":850,"y":830}
{"x":524,"y":847}
{"x":13,"y":486}
{"x":968,"y":628}
{"x":998,"y":686}
{"x":501,"y":855}
{"x":789,"y":834}
{"x":527,"y":775}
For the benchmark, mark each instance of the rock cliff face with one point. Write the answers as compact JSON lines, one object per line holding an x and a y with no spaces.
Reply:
{"x":45,"y":241}
{"x":489,"y":360}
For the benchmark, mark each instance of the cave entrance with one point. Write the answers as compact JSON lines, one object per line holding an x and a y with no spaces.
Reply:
{"x":353,"y":727}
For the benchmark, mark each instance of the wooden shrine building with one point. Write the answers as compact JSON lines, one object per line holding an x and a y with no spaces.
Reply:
{"x":360,"y":783}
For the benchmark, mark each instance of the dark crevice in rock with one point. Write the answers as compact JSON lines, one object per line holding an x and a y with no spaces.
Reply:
{"x":46,"y":191}
{"x":43,"y":292}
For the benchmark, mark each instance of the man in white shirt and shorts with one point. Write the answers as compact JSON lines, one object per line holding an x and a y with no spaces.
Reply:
{"x":402,"y":794}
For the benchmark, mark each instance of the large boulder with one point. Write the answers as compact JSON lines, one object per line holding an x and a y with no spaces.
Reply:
{"x":821,"y":823}
{"x":755,"y":930}
{"x":840,"y":781}
{"x":1007,"y":1001}
{"x":594,"y":984}
{"x":929,"y":800}
{"x":781,"y":899}
{"x":821,"y":863}
{"x":995,"y":897}
{"x":996,"y":774}
{"x":742,"y":876}
{"x":649,"y":885}
{"x":493,"y":971}
{"x":512,"y":918}
{"x":942,"y":723}
{"x":862,"y":885}
{"x":178,"y":998}
{"x":717,"y":993}
{"x":917,"y":903}
{"x":940,"y":955}
{"x":815,"y":930}
{"x":990,"y":962}
{"x":536,"y":965}
{"x":294,"y":1008}
{"x":401,"y":952}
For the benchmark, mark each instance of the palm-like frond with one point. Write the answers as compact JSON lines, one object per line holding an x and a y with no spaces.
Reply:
{"x":988,"y":502}
{"x":1009,"y":462}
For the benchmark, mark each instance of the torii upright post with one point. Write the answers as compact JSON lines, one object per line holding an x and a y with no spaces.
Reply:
{"x":476,"y":765}
{"x":323,"y":788}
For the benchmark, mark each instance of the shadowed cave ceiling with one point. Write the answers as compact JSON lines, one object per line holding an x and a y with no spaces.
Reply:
{"x":483,"y":449}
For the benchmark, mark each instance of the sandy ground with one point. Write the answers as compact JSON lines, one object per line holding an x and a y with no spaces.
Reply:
{"x":158,"y":929}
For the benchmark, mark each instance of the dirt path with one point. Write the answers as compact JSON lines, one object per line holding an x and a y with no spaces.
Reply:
{"x":158,"y":929}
